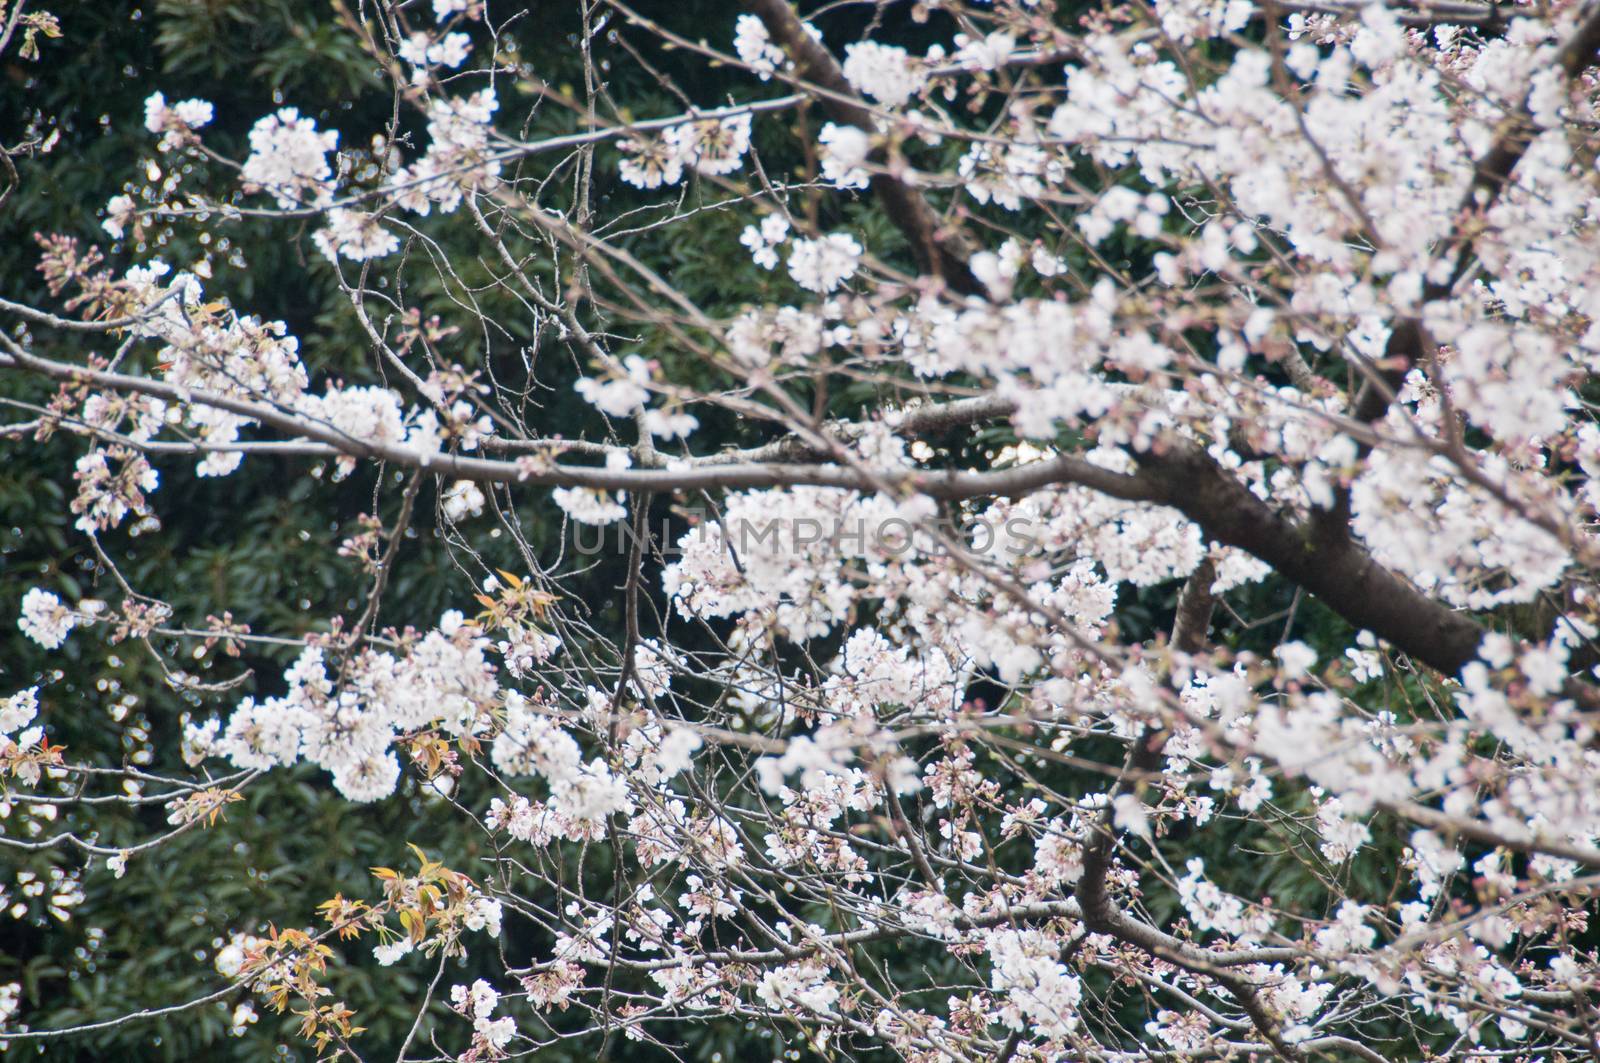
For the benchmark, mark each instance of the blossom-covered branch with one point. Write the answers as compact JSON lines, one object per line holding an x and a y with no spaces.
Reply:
{"x":904,"y":504}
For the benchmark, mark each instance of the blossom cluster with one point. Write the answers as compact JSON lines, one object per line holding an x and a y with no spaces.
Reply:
{"x":1322,"y":325}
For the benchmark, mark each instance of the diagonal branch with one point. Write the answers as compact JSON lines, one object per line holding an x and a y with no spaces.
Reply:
{"x":1333,"y":567}
{"x":939,"y":251}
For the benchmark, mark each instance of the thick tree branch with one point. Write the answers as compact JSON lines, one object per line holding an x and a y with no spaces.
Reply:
{"x":1334,"y":568}
{"x":1337,"y":570}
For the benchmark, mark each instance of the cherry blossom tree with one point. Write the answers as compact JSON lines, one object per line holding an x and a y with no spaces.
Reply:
{"x":939,"y":718}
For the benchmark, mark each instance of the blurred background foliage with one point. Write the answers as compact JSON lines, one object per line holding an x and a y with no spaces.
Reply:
{"x":262,"y":542}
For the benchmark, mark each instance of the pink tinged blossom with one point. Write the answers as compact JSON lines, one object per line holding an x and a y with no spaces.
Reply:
{"x":1348,"y":932}
{"x":621,"y":393}
{"x":1341,"y":836}
{"x":674,"y":424}
{"x":1130,"y":814}
{"x":803,"y":988}
{"x":414,"y":49}
{"x":885,"y":72}
{"x":111,"y":485}
{"x":288,"y":159}
{"x":1296,"y":658}
{"x":17,"y":711}
{"x":177,"y":118}
{"x":371,"y":777}
{"x":985,"y":53}
{"x":650,"y":163}
{"x":355,"y":235}
{"x":764,"y":240}
{"x":823,"y":265}
{"x":451,"y":50}
{"x":45,"y":619}
{"x":754,"y":47}
{"x":1039,"y":992}
{"x":1191,"y":20}
{"x":588,"y":505}
{"x":712,"y":146}
{"x":119,"y":214}
{"x":844,"y":152}
{"x":461,"y":500}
